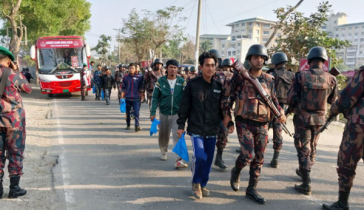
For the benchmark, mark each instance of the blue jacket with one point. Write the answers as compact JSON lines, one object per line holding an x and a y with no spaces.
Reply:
{"x":132,"y":86}
{"x":98,"y":78}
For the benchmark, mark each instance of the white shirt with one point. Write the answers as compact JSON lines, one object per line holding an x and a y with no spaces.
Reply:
{"x":172,"y":84}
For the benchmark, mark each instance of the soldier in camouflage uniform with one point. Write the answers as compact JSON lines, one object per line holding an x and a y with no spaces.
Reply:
{"x":12,"y":124}
{"x":351,"y":104}
{"x":310,"y":92}
{"x":118,"y":79}
{"x":222,"y":135}
{"x":283,"y":81}
{"x":83,"y":81}
{"x":151,"y":78}
{"x":252,"y":117}
{"x":192,"y":73}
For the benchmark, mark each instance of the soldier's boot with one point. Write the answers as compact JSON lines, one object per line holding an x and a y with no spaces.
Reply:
{"x":218,"y":160}
{"x":137,"y":128}
{"x":341,"y":204}
{"x":235,"y":179}
{"x":305,"y":187}
{"x":274,"y":162}
{"x":252,"y":193}
{"x":15,"y":191}
{"x":298,"y":172}
{"x":1,"y":185}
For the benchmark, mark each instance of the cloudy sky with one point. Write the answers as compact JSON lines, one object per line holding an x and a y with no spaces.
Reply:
{"x":107,"y":15}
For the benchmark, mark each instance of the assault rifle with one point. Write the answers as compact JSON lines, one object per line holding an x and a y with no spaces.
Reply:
{"x":328,"y":122}
{"x":264,"y":95}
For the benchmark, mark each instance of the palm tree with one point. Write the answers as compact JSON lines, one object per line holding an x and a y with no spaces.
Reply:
{"x":205,"y":45}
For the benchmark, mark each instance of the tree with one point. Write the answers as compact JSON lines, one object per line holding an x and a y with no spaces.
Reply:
{"x":153,"y":32}
{"x":171,"y":49}
{"x":302,"y":33}
{"x":188,"y":51}
{"x":135,"y":33}
{"x":282,"y":18}
{"x":102,"y":47}
{"x":48,"y":17}
{"x":165,"y":27}
{"x":10,"y":11}
{"x":205,"y":45}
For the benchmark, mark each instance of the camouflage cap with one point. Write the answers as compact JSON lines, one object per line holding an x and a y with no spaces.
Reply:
{"x":7,"y":52}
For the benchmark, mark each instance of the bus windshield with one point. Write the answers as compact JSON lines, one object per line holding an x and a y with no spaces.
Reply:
{"x":52,"y":60}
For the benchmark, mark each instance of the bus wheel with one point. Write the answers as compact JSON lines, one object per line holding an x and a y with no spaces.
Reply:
{"x":50,"y":95}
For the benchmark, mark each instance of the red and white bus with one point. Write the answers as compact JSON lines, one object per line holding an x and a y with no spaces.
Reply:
{"x":59,"y":60}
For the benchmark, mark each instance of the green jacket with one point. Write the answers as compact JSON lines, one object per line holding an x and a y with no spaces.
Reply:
{"x":162,"y":96}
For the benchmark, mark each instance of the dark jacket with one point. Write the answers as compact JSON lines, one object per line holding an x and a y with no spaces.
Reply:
{"x":97,"y":77}
{"x":201,"y":106}
{"x":132,"y":86}
{"x":107,"y":81}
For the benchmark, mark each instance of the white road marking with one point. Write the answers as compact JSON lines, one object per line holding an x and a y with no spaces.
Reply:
{"x":68,"y":192}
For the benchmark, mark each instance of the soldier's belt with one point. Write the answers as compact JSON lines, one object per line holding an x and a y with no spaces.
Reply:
{"x":250,"y":122}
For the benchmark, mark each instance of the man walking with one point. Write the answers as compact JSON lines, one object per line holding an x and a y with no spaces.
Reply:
{"x":132,"y":90}
{"x":151,"y":78}
{"x":98,"y":82}
{"x":167,"y":96}
{"x":282,"y":81}
{"x":252,"y":117}
{"x":201,"y":106}
{"x":12,"y":123}
{"x":84,"y":82}
{"x":118,"y":79}
{"x":350,"y":103}
{"x":309,"y":95}
{"x":224,"y":75}
{"x":107,"y":84}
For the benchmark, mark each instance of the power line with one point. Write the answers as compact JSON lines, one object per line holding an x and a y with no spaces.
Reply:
{"x":191,"y":14}
{"x":212,"y":17}
{"x":247,"y":11}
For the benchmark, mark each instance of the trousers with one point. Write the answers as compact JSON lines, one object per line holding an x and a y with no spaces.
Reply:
{"x":203,"y":154}
{"x":168,"y":124}
{"x":12,"y":141}
{"x":252,"y":139}
{"x":135,"y":105}
{"x":350,"y":153}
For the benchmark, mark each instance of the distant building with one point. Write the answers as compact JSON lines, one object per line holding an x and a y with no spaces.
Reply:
{"x":338,"y":27}
{"x":244,"y":33}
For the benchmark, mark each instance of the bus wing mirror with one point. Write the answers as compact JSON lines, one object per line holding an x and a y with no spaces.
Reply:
{"x":32,"y":52}
{"x":88,"y":51}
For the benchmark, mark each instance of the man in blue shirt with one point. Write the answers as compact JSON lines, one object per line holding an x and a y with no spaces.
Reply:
{"x":132,"y":91}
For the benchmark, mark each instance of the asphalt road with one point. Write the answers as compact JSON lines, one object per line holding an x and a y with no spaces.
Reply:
{"x":103,"y":166}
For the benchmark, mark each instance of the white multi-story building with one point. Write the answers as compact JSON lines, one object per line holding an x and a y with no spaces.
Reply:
{"x":338,"y":27}
{"x":244,"y":33}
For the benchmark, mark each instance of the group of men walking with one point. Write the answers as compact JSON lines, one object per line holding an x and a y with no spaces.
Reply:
{"x":206,"y":103}
{"x":223,"y":95}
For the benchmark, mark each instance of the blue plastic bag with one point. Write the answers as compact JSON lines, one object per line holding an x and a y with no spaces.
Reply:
{"x":102,"y":95}
{"x":154,"y":127}
{"x":93,"y":90}
{"x":181,"y":148}
{"x":122,"y":106}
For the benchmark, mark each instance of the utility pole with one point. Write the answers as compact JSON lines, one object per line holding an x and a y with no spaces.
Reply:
{"x":118,"y":39}
{"x":198,"y":33}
